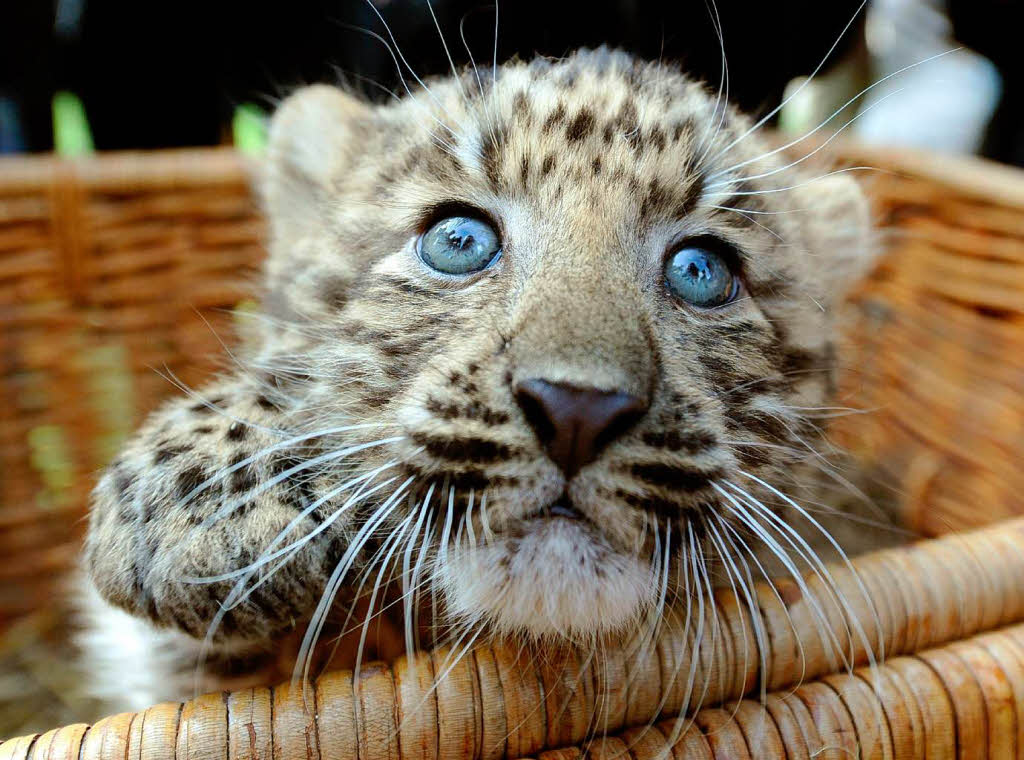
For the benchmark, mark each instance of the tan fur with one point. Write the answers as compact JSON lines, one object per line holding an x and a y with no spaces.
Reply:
{"x":592,"y":167}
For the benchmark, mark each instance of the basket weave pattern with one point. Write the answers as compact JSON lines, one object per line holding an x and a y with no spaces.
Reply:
{"x":108,"y":269}
{"x":937,"y":354}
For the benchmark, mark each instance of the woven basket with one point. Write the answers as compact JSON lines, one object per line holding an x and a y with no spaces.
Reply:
{"x":115,"y":274}
{"x":120,"y":272}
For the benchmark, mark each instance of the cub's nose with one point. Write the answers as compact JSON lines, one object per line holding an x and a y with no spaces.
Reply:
{"x":574,"y":424}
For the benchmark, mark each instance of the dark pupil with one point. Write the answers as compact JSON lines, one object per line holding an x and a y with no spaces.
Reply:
{"x":461,"y":239}
{"x":700,"y":269}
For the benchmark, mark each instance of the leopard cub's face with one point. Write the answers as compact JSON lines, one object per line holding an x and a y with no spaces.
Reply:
{"x":584,"y":308}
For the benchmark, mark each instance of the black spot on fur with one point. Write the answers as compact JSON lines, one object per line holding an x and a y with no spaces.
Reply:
{"x":297,"y":490}
{"x":654,"y":200}
{"x":470,"y":449}
{"x":581,"y":126}
{"x":761,"y":423}
{"x":796,"y":361}
{"x":555,"y":118}
{"x":237,"y":431}
{"x":595,"y":166}
{"x":334,"y":292}
{"x":472,"y":411}
{"x":752,"y":456}
{"x":122,"y":482}
{"x":203,"y":430}
{"x":717,"y":369}
{"x":692,"y":442}
{"x":462,"y":480}
{"x":407,"y":287}
{"x":548,"y":165}
{"x":520,"y":105}
{"x":244,"y":478}
{"x":675,"y":478}
{"x":167,"y":453}
{"x":205,"y":407}
{"x":658,"y":138}
{"x":376,"y":399}
{"x":265,"y":403}
{"x":680,"y":128}
{"x":654,"y":505}
{"x":486,"y":415}
{"x":493,"y":143}
{"x":688,"y":203}
{"x":635,"y":139}
{"x":441,"y":409}
{"x":189,"y":480}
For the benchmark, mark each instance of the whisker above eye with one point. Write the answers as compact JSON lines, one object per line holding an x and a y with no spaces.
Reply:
{"x":768,"y":116}
{"x":806,"y":156}
{"x":838,"y":111}
{"x":812,"y":180}
{"x":758,"y":213}
{"x":706,"y":144}
{"x":444,"y":145}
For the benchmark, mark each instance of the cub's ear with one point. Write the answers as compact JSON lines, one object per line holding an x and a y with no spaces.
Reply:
{"x":313,"y":136}
{"x":840,"y":233}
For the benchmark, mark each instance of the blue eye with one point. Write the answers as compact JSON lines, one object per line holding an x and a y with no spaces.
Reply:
{"x":459,"y":245}
{"x":700,"y":276}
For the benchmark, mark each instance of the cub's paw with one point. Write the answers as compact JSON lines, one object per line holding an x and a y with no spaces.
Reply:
{"x":215,"y":510}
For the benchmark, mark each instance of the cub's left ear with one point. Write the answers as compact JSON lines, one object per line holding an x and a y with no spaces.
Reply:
{"x":314,"y":135}
{"x":839,"y":231}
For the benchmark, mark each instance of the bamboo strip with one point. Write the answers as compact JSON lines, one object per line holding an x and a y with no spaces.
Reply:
{"x":508,"y":702}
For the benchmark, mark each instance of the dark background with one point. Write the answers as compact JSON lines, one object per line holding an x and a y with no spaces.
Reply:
{"x":158,"y":74}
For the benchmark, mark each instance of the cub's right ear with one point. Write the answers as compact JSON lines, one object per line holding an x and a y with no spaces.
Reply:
{"x":313,"y":135}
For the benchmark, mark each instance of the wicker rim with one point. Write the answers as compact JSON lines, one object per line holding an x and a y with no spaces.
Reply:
{"x":501,"y":703}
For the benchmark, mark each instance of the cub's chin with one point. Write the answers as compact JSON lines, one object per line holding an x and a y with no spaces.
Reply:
{"x":556,"y":577}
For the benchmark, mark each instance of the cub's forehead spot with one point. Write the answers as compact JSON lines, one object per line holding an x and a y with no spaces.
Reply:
{"x":596,"y":128}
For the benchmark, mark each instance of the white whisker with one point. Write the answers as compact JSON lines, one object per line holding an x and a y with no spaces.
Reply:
{"x":394,"y":538}
{"x":812,"y":180}
{"x":880,"y":637}
{"x":319,"y":617}
{"x":828,"y":638}
{"x":768,"y":116}
{"x":266,"y":485}
{"x":834,"y":114}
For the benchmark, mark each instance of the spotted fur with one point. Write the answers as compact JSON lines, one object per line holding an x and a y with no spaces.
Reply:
{"x":592,"y":167}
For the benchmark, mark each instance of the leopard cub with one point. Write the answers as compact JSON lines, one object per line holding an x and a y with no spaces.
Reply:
{"x":540,"y":351}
